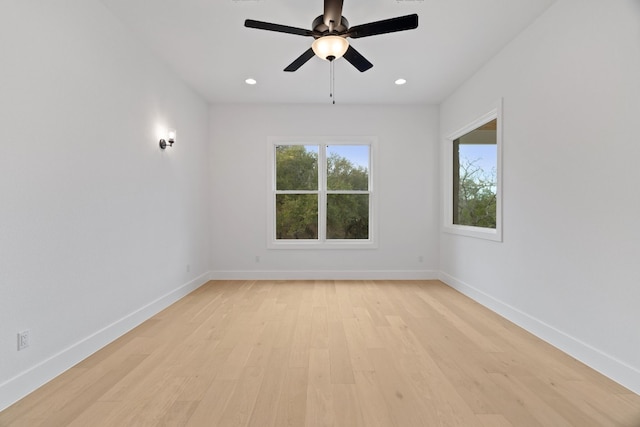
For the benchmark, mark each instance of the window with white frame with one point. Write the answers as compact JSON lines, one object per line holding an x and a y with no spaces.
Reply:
{"x":321,"y":194}
{"x":473,"y":178}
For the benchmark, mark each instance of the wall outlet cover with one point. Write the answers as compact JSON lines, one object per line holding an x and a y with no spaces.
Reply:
{"x":24,"y":340}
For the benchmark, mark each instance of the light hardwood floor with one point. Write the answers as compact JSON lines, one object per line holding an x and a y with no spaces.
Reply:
{"x":323,"y":353}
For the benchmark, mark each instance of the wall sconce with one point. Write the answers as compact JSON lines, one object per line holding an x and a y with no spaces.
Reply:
{"x":171,"y":138}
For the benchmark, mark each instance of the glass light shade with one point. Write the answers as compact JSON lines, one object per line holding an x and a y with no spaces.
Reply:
{"x":328,"y":46}
{"x":171,"y":134}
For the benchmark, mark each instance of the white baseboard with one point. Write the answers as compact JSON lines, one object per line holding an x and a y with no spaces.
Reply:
{"x":617,"y":370}
{"x":27,"y":381}
{"x":326,"y":275}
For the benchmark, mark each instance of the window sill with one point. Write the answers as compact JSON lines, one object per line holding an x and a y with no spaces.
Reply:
{"x":316,"y":245}
{"x":477,"y":232}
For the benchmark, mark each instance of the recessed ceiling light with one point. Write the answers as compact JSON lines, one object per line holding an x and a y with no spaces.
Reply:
{"x":250,"y":81}
{"x":400,"y":82}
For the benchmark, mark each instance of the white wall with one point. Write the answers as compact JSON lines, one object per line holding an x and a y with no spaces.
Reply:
{"x":97,"y":224}
{"x":568,"y":267}
{"x":407,"y":175}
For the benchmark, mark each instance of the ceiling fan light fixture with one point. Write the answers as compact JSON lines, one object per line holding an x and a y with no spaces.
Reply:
{"x":330,"y":47}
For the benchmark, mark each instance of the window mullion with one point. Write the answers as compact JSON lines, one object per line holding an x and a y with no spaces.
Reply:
{"x":322,"y":193}
{"x":296,"y":191}
{"x":348,"y":192}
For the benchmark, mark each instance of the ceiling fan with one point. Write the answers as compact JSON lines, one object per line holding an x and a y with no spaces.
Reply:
{"x":330,"y":32}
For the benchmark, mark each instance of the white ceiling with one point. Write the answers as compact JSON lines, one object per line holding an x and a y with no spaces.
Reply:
{"x":206,"y":43}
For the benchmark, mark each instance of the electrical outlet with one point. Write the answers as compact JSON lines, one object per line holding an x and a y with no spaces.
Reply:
{"x":188,"y":268}
{"x":24,"y":339}
{"x":257,"y":258}
{"x":420,"y":258}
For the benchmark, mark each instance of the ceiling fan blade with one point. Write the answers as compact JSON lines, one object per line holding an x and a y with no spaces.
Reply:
{"x":260,"y":25}
{"x":401,"y":23}
{"x":332,"y":13}
{"x":300,"y":61}
{"x":357,"y":60}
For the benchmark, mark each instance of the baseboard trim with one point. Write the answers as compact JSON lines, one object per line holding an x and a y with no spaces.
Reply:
{"x":326,"y":275}
{"x":27,"y":381}
{"x":617,"y":370}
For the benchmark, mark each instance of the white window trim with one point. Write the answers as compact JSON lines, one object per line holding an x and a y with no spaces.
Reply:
{"x":494,"y":234}
{"x":322,"y":242}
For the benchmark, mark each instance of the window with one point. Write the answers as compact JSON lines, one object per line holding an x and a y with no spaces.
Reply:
{"x":473,"y":202}
{"x":321,"y":194}
{"x":474,"y":177}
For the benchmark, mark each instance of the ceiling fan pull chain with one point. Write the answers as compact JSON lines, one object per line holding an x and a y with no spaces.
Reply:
{"x":330,"y":85}
{"x":333,"y":81}
{"x":332,"y":76}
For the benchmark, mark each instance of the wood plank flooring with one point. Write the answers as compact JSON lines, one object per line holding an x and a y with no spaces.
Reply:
{"x":327,"y":353}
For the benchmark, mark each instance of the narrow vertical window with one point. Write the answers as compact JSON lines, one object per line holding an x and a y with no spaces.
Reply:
{"x":475,"y":185}
{"x":473,"y":168}
{"x":347,"y":191}
{"x":296,"y":192}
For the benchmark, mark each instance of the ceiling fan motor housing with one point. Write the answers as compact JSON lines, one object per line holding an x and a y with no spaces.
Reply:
{"x":319,"y":25}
